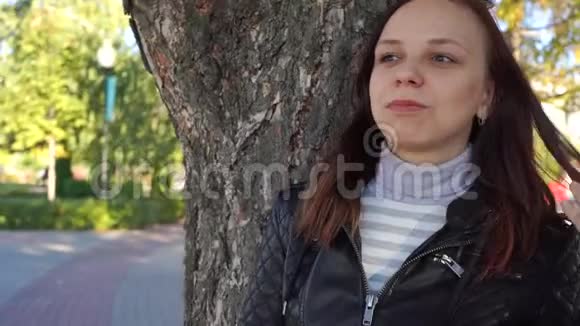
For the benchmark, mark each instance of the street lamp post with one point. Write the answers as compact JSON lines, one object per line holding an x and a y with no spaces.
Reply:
{"x":106,"y":57}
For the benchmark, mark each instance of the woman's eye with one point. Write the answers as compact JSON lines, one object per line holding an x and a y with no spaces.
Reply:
{"x":388,"y":58}
{"x":443,"y":58}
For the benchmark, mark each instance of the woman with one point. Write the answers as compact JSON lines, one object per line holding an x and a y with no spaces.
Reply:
{"x":475,"y":242}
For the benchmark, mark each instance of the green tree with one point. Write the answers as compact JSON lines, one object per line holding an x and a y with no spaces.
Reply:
{"x":142,"y":136}
{"x":548,"y":51}
{"x":50,"y":71}
{"x":52,"y":94}
{"x":545,"y":37}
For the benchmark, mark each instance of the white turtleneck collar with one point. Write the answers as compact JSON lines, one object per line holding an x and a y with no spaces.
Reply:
{"x":406,"y":182}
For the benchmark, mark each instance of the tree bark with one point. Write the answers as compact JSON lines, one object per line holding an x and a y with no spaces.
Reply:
{"x":253,"y":87}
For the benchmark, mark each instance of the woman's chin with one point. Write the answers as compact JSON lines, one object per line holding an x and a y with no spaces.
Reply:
{"x":414,"y":144}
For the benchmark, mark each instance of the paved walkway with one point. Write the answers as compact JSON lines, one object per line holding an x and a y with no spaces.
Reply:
{"x":119,"y":278}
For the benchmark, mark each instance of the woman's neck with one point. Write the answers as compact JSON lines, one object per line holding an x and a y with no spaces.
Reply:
{"x":423,"y":183}
{"x":431,"y":155}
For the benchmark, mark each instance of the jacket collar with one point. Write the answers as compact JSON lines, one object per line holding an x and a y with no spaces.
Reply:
{"x":468,"y":211}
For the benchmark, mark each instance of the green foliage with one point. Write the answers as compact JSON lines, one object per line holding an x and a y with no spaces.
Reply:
{"x":63,"y":173}
{"x":49,"y":73}
{"x":144,"y":137}
{"x":547,"y":165}
{"x":66,"y":186}
{"x":51,"y":86}
{"x":548,"y":50}
{"x":75,"y":189}
{"x":141,"y":137}
{"x":86,"y":214}
{"x":549,"y":53}
{"x":130,"y":189}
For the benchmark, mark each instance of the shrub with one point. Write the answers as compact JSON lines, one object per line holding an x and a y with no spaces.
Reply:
{"x":76,"y":189}
{"x":86,"y":214}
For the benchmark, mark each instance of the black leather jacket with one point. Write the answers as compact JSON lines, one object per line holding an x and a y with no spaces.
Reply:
{"x":299,"y":284}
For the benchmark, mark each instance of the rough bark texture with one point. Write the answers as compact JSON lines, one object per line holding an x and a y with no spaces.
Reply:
{"x":251,"y":85}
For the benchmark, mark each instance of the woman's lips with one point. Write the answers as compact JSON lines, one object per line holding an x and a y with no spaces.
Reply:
{"x":406,"y":106}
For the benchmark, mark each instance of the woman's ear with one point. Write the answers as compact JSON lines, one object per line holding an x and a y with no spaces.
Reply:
{"x":487,"y":100}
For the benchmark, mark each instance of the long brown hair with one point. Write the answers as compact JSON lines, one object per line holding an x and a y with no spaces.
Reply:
{"x":519,"y":198}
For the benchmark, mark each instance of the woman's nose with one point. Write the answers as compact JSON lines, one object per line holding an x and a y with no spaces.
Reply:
{"x":409,"y":76}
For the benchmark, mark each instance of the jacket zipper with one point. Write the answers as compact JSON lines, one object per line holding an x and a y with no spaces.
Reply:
{"x":372,"y":299}
{"x":450,"y":263}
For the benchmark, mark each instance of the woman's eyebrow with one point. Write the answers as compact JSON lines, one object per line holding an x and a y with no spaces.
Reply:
{"x":435,"y":41}
{"x":447,"y":41}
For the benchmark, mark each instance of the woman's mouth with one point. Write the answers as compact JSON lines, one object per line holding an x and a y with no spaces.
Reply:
{"x":404,"y":105}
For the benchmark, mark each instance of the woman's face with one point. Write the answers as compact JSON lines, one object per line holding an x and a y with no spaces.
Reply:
{"x":432,"y":52}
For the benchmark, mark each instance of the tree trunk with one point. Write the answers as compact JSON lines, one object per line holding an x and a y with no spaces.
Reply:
{"x":254,"y":89}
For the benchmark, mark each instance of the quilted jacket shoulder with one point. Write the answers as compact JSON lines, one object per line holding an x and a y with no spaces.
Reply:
{"x":263,"y":304}
{"x":562,"y":305}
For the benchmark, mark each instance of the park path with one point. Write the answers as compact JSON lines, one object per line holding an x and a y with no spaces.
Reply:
{"x":117,"y":278}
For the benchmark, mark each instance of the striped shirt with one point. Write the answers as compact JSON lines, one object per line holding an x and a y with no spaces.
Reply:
{"x":390,"y":231}
{"x":403,"y":206}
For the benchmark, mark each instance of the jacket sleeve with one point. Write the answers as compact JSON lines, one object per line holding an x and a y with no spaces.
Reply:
{"x":263,"y":301}
{"x":562,"y":305}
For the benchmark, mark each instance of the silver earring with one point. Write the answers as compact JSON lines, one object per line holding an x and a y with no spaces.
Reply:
{"x":480,"y":121}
